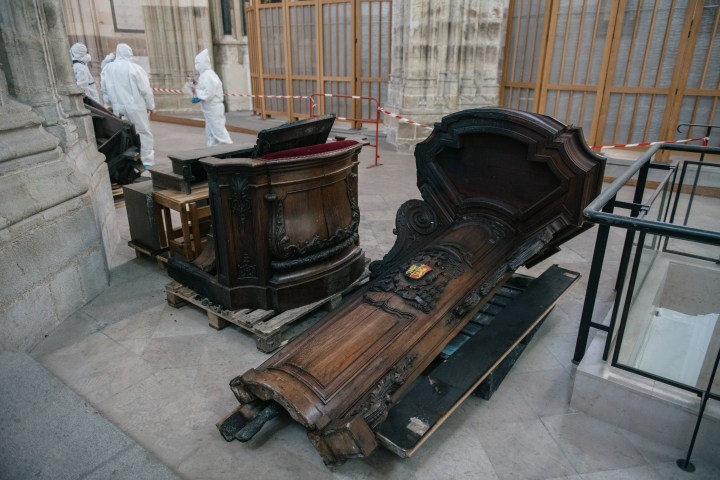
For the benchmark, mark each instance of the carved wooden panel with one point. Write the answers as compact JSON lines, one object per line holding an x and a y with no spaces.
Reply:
{"x":498,"y":186}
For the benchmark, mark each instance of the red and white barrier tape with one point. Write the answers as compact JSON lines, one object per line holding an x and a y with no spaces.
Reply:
{"x":413,"y":122}
{"x":627,"y":145}
{"x":404,"y":120}
{"x":354,"y":97}
{"x":167,"y":90}
{"x":181,"y":92}
{"x":178,"y":91}
{"x":648,"y":144}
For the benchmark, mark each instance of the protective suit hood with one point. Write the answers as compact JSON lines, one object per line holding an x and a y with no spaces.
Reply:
{"x":78,"y":52}
{"x":123,"y":52}
{"x":202,"y":61}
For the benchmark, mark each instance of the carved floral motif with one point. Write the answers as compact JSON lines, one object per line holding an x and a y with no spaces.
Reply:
{"x":239,"y":198}
{"x":246,"y":267}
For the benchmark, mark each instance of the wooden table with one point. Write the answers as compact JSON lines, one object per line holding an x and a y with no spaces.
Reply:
{"x":187,"y":239}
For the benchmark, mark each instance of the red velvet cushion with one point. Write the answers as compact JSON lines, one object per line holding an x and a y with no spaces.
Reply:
{"x":311,"y":150}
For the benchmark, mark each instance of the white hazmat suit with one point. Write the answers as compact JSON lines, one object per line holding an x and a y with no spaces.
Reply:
{"x":128,"y":91}
{"x":83,"y":77}
{"x":209,"y":91}
{"x":110,"y":57}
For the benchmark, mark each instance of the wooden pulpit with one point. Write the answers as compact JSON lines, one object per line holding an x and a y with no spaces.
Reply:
{"x":285,"y":228}
{"x":500,"y":188}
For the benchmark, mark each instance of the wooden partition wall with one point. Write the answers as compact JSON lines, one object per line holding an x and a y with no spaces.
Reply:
{"x":627,"y":71}
{"x":298,"y":48}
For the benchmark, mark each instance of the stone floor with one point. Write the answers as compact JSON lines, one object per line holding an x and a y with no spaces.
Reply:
{"x":161,"y":376}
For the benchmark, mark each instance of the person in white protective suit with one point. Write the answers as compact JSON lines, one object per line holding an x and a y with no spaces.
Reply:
{"x":129,"y":94}
{"x":109,"y":58}
{"x":209,"y":91}
{"x":83,"y":77}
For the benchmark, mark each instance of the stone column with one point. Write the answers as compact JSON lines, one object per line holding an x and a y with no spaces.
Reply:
{"x":230,"y":52}
{"x":83,"y":25}
{"x":57,"y":218}
{"x":445,"y":58}
{"x":21,"y":28}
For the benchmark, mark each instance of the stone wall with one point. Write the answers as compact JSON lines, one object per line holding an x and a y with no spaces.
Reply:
{"x":94,"y":24}
{"x":57,"y":217}
{"x":230,"y":53}
{"x":175,"y":31}
{"x":445,"y":57}
{"x":165,"y":36}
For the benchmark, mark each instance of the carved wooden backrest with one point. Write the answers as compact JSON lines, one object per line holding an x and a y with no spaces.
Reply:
{"x":497,"y":186}
{"x":525,"y":171}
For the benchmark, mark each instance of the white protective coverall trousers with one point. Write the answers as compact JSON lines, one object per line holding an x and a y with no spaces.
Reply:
{"x":128,"y":90}
{"x":209,"y":91}
{"x":83,"y":77}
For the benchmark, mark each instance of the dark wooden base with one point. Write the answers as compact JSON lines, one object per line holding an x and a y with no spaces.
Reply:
{"x":283,"y":292}
{"x":434,"y":395}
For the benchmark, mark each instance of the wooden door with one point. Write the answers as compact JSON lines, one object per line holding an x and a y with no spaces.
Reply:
{"x":644,"y":71}
{"x":305,"y":47}
{"x":573,"y":73}
{"x":626,"y":71}
{"x":698,"y":97}
{"x":525,"y":48}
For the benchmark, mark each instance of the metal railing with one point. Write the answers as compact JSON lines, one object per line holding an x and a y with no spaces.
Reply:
{"x":662,"y":200}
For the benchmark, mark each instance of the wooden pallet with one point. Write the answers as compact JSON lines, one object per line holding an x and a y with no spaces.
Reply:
{"x":271,"y":330}
{"x":118,"y":196}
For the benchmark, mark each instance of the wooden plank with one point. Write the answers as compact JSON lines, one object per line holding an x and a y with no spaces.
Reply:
{"x":249,"y":319}
{"x":269,"y":343}
{"x":431,"y":399}
{"x":282,"y":318}
{"x":270,"y":329}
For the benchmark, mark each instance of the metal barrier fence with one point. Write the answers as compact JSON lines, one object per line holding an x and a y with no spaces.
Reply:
{"x":320,"y":105}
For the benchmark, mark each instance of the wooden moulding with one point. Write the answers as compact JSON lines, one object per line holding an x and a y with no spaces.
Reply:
{"x":500,"y":189}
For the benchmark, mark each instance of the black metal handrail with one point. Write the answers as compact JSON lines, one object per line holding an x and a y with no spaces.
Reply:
{"x":601,"y":211}
{"x":595,"y":213}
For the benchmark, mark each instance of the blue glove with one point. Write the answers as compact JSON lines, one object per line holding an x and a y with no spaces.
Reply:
{"x":195,"y":100}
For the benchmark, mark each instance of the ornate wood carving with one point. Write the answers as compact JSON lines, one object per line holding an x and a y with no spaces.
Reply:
{"x":240,"y":198}
{"x":421,"y":281}
{"x":499,"y":188}
{"x":374,"y":406}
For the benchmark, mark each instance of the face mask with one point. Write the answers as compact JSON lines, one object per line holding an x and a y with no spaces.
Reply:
{"x":86,"y":59}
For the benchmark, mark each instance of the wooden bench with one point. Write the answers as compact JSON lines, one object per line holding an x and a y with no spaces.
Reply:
{"x":187,"y":238}
{"x":501,"y":189}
